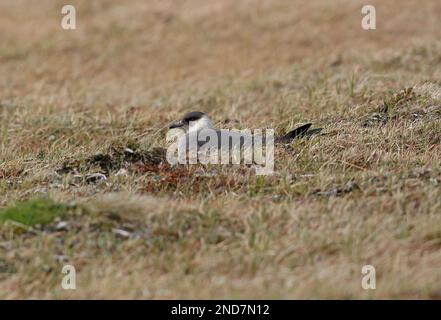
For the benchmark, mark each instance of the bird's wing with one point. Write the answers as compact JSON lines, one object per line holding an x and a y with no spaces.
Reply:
{"x":296,"y":133}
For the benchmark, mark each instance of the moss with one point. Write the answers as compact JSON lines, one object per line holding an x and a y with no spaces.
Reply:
{"x":32,"y":212}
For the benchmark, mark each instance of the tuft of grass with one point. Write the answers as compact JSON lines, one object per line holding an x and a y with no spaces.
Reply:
{"x":33,"y":212}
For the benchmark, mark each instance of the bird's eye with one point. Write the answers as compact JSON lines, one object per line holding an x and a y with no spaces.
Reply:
{"x":191,"y":119}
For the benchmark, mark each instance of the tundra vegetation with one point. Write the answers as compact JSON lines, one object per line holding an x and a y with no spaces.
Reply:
{"x":84,"y":115}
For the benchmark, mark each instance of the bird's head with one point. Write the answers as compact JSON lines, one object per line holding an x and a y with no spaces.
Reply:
{"x":193,"y":122}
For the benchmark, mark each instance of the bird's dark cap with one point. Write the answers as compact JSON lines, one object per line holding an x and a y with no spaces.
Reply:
{"x":188,"y":117}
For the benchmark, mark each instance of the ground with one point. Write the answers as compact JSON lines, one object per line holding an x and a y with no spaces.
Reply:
{"x":84,"y":115}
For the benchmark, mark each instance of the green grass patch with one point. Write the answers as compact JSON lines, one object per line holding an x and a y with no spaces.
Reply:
{"x":32,"y":212}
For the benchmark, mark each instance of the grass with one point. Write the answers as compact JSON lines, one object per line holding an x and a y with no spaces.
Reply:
{"x":83,"y":124}
{"x":32,"y":212}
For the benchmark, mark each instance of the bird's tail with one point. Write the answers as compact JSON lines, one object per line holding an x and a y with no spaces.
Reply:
{"x":297,"y":133}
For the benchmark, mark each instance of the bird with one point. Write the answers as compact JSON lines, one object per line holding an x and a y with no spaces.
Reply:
{"x":188,"y":131}
{"x":195,"y":121}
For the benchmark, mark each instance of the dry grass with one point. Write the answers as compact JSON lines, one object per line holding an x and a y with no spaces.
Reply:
{"x":367,"y":192}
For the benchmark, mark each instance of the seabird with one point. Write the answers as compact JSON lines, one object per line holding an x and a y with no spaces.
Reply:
{"x":198,"y":141}
{"x":196,"y":121}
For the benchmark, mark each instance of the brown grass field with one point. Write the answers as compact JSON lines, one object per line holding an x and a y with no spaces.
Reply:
{"x":367,"y":191}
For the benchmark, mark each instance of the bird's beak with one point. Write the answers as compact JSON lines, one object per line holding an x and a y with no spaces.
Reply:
{"x":177,"y":124}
